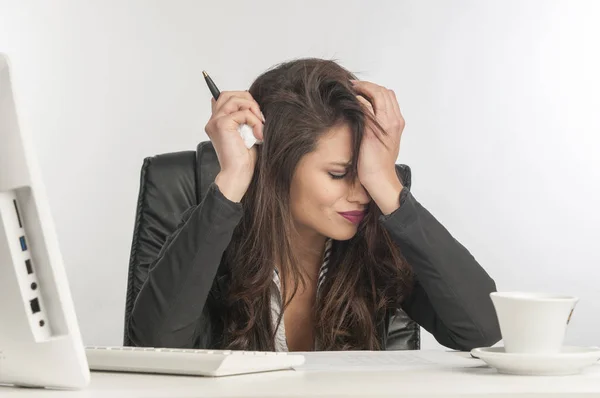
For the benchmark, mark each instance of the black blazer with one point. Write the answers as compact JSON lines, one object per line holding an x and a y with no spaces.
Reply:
{"x":179,"y":302}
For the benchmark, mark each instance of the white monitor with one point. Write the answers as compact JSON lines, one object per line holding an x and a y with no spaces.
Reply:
{"x":40,"y":342}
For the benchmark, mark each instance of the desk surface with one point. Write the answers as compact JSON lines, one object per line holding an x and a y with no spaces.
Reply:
{"x":474,"y":380}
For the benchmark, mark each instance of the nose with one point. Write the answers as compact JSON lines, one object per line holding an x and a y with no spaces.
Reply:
{"x":357,"y":193}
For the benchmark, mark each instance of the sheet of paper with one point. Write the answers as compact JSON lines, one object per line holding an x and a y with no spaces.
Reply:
{"x":382,"y":360}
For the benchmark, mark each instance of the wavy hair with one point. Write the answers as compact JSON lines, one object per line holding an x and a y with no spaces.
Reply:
{"x":301,"y":100}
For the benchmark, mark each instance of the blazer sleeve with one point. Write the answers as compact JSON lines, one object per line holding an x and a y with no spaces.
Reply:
{"x":170,"y":303}
{"x":451,"y":295}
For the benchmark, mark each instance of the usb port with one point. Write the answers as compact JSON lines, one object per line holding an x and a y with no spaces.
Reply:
{"x":28,"y":266}
{"x":23,"y":244}
{"x":35,"y":305}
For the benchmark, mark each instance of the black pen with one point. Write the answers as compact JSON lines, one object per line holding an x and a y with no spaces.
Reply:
{"x":244,"y":130}
{"x":211,"y":86}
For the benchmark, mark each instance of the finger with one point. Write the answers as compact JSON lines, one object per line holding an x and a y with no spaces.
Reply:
{"x":397,"y":110}
{"x":249,"y":118}
{"x":235,"y":104}
{"x":395,"y":104}
{"x":368,"y":108}
{"x":374,"y":93}
{"x":366,"y":104}
{"x":389,"y":101}
{"x":226,"y":95}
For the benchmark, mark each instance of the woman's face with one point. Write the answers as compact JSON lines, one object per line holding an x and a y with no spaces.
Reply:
{"x":323,"y":198}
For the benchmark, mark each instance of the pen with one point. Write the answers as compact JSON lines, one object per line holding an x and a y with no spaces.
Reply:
{"x":244,"y":130}
{"x":211,"y":86}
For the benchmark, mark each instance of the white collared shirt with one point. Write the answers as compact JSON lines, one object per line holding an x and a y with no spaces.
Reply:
{"x":277,"y":301}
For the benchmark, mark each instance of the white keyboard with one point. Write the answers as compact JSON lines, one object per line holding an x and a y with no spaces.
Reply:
{"x":188,"y":361}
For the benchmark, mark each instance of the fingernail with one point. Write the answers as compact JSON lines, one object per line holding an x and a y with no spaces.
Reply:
{"x":263,"y":116}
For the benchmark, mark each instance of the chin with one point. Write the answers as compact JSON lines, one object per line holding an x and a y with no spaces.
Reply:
{"x":344,"y":233}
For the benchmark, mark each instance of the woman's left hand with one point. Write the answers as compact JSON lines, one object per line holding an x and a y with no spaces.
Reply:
{"x":378,"y":152}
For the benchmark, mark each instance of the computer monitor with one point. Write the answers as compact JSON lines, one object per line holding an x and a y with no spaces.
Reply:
{"x":40,"y":342}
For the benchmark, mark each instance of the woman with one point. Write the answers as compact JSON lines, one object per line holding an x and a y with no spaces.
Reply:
{"x":310,"y":241}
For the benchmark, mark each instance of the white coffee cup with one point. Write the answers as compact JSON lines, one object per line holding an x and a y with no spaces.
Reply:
{"x":534,"y":323}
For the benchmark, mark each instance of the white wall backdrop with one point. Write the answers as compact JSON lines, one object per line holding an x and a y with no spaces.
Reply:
{"x":501,"y":100}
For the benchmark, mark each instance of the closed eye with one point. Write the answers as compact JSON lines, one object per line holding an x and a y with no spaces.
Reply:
{"x":336,"y":176}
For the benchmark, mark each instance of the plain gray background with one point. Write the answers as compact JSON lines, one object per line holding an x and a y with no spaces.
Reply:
{"x":500,"y":99}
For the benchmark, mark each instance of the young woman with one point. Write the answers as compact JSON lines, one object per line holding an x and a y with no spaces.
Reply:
{"x":309,"y":241}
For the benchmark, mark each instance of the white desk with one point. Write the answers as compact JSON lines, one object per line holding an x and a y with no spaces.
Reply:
{"x":474,"y":380}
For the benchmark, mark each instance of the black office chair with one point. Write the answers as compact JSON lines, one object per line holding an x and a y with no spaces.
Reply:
{"x":169,"y":185}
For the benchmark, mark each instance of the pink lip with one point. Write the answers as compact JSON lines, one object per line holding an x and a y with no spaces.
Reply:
{"x":354,"y":217}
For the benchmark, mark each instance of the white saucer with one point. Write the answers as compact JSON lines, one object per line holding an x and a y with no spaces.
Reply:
{"x":571,"y":360}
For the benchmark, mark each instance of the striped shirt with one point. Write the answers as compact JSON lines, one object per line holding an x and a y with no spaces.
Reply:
{"x":277,"y":301}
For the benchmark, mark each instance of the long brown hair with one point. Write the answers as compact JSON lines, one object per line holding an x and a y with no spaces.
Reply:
{"x":302,"y":100}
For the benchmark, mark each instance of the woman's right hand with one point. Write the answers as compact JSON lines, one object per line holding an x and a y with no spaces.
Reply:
{"x":232,"y":109}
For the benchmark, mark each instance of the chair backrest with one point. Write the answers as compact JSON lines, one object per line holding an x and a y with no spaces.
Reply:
{"x":169,"y":185}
